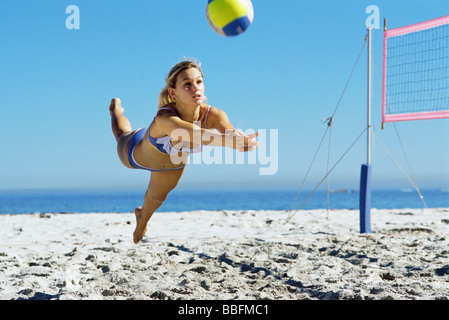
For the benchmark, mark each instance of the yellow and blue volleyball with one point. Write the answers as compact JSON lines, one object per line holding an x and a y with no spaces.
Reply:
{"x":229,"y":17}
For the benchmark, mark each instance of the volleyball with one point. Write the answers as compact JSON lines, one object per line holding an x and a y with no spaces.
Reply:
{"x":229,"y":17}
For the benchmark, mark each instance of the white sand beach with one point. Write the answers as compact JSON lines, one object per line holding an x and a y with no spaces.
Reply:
{"x":218,"y":255}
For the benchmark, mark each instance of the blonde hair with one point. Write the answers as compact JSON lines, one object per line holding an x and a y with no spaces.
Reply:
{"x":170,"y":81}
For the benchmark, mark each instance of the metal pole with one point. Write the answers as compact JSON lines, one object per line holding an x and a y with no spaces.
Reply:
{"x":368,"y":153}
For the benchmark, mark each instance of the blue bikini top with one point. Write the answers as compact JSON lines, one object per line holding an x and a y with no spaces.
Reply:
{"x":163,"y":144}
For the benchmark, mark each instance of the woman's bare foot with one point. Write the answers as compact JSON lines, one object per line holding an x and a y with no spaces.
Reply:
{"x":116,"y":105}
{"x":119,"y":123}
{"x":141,"y":226}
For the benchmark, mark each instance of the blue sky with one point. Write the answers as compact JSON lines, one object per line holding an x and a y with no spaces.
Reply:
{"x":285,"y":73}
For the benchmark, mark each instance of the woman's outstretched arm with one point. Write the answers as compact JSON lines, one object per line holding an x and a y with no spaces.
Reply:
{"x":183,"y":131}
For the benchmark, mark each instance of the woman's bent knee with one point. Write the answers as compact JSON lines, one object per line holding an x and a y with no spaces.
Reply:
{"x":155,"y":197}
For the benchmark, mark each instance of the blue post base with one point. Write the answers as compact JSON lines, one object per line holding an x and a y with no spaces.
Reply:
{"x":365,"y":199}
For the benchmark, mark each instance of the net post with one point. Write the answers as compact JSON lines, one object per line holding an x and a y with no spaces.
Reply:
{"x":365,"y":199}
{"x":365,"y":176}
{"x":384,"y":73}
{"x":368,"y":125}
{"x":385,"y":29}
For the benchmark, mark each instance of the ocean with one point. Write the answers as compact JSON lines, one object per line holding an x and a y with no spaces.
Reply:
{"x":15,"y":202}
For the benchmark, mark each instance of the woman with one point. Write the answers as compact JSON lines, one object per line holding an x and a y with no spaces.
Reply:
{"x":181,"y":126}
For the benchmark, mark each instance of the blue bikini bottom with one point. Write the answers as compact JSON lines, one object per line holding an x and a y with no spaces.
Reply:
{"x":138,"y":136}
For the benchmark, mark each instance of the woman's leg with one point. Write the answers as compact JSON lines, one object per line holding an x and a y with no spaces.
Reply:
{"x":120,"y":124}
{"x":161,"y":183}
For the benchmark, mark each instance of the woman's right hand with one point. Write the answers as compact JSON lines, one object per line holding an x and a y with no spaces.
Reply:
{"x":236,"y":139}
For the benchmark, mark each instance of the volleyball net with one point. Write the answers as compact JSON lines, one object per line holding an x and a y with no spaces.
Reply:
{"x":416,"y":71}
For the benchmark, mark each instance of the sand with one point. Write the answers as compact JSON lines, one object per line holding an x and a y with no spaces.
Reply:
{"x":226,"y":255}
